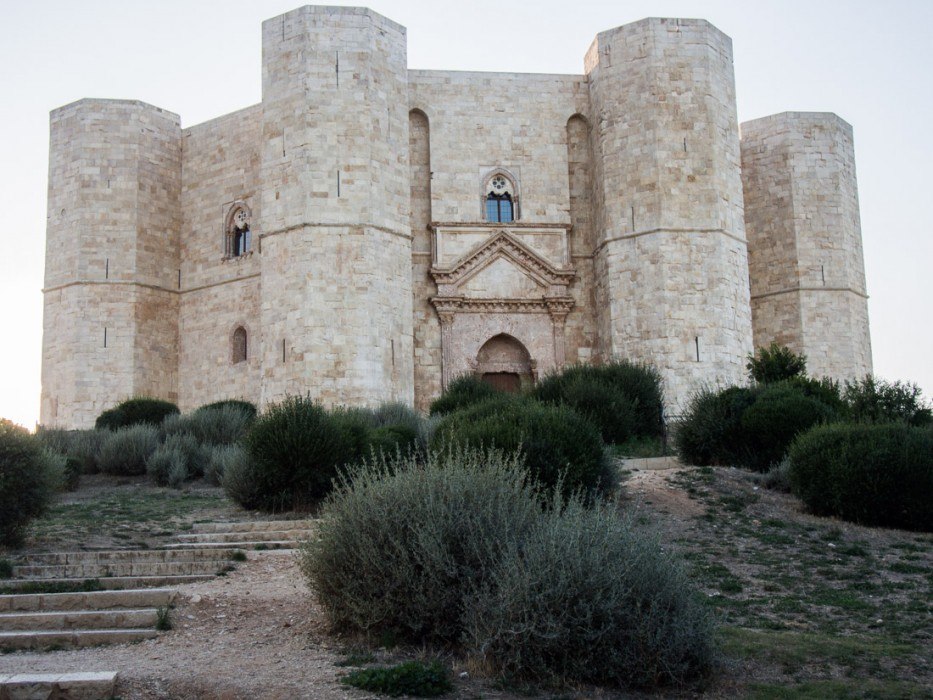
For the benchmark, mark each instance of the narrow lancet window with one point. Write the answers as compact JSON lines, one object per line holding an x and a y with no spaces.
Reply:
{"x":239,"y":345}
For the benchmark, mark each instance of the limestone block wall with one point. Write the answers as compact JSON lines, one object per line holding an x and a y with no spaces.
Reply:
{"x":110,"y":328}
{"x":671,"y":260}
{"x":805,"y":247}
{"x":336,"y":300}
{"x":480,"y":121}
{"x":220,"y":170}
{"x":343,"y":343}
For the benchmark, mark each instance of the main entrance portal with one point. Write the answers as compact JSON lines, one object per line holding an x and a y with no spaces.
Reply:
{"x":504,"y":363}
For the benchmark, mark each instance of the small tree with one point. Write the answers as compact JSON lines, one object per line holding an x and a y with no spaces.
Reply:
{"x":775,"y":363}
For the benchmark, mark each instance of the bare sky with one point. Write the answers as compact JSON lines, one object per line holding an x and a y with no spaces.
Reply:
{"x":869,"y":62}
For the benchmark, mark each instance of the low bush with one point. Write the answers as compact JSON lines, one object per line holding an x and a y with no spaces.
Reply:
{"x":6,"y":568}
{"x":775,"y":363}
{"x":179,"y":459}
{"x":414,"y":678}
{"x":124,"y":452}
{"x":81,"y":445}
{"x":296,"y":448}
{"x":142,"y":409}
{"x":462,"y":550}
{"x":879,"y":474}
{"x":710,"y":433}
{"x":463,"y":391}
{"x":624,"y":399}
{"x":239,"y":475}
{"x":557,"y":444}
{"x":26,"y":482}
{"x":221,"y":457}
{"x":779,"y":413}
{"x":242,"y":406}
{"x":585,"y":597}
{"x":400,"y":546}
{"x":873,"y":400}
{"x":220,"y":425}
{"x":749,"y":427}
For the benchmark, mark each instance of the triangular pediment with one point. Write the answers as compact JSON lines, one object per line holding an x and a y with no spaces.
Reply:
{"x":511,"y":257}
{"x":502,"y":278}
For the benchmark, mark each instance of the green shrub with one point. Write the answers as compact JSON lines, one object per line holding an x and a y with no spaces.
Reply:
{"x":223,"y":425}
{"x":221,"y":457}
{"x":6,"y":568}
{"x":414,"y":678}
{"x":242,"y":406}
{"x":873,"y":400}
{"x":296,"y":448}
{"x":142,"y":409}
{"x":779,"y":413}
{"x":749,"y":427}
{"x":557,"y":443}
{"x":463,"y":391}
{"x":710,"y":431}
{"x":392,"y":439}
{"x":124,"y":452}
{"x":240,"y":477}
{"x":400,"y":546}
{"x":775,"y":363}
{"x":26,"y":482}
{"x":585,"y":597}
{"x":162,"y":462}
{"x":879,"y":474}
{"x":624,"y":399}
{"x":81,"y":445}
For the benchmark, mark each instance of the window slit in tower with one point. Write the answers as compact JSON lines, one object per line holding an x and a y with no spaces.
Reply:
{"x":696,"y":340}
{"x":105,"y":336}
{"x":107,"y":269}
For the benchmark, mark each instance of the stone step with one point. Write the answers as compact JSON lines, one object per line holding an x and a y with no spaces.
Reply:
{"x":120,"y":556}
{"x":67,"y":639}
{"x":118,"y":582}
{"x":62,"y":686}
{"x":63,"y":620}
{"x":117,"y":569}
{"x":235,"y":537}
{"x":96,"y":600}
{"x":254,"y":526}
{"x":253,"y":545}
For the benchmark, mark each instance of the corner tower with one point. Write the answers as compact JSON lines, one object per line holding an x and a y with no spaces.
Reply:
{"x":110,"y":326}
{"x":671,"y":256}
{"x":805,"y":241}
{"x":336,"y":308}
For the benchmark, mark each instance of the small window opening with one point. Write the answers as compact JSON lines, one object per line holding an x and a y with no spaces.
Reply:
{"x":239,"y":345}
{"x":239,"y":237}
{"x":500,"y":202}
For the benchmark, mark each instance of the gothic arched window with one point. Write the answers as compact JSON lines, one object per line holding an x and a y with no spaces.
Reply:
{"x":500,"y":204}
{"x":239,"y":345}
{"x":238,"y":238}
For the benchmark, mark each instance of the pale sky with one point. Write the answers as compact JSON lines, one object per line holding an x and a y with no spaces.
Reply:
{"x":869,"y":62}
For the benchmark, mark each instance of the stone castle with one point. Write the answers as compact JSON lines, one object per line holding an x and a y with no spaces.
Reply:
{"x":368,"y":232}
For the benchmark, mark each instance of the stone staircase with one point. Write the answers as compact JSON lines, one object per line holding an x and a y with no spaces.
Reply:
{"x":253,"y":535}
{"x":67,"y":620}
{"x":135,"y":583}
{"x":120,"y":569}
{"x":60,"y":686}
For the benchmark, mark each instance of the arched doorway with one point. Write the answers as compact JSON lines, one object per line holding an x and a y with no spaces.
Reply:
{"x":505,"y":363}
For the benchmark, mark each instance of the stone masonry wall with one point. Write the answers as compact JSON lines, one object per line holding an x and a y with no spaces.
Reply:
{"x":336,"y":242}
{"x":671,"y":265}
{"x":219,"y":294}
{"x":805,"y":246}
{"x":112,"y":255}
